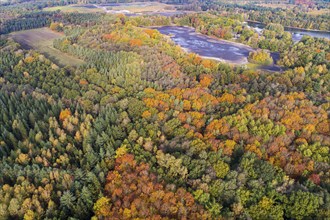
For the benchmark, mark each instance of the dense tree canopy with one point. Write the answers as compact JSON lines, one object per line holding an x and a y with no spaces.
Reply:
{"x":145,"y":130}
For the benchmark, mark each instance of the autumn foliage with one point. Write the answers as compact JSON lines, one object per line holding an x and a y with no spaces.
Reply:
{"x":132,"y":192}
{"x":65,"y":114}
{"x":135,"y":42}
{"x":144,"y":130}
{"x":150,"y":32}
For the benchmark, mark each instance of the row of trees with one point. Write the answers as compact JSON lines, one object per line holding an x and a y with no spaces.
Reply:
{"x":28,"y":21}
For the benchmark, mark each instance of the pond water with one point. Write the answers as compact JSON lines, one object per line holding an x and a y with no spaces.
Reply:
{"x":206,"y":46}
{"x":297,"y":33}
{"x":212,"y":48}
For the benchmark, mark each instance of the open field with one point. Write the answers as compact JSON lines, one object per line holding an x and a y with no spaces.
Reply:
{"x":143,"y":7}
{"x":74,"y":8}
{"x":137,"y":7}
{"x":41,"y":39}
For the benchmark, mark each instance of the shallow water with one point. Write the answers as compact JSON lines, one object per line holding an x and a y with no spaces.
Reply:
{"x":206,"y":46}
{"x":212,"y":48}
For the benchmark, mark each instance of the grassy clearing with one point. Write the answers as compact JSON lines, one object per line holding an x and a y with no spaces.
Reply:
{"x":132,"y":7}
{"x":41,"y":39}
{"x":147,"y":7}
{"x":74,"y":8}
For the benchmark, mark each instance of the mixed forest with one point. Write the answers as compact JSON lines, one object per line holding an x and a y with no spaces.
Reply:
{"x":145,"y":130}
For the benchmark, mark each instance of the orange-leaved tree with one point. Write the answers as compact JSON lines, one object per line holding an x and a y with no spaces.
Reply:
{"x":133,"y":192}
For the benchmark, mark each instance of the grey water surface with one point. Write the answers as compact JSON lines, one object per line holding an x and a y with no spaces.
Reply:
{"x":212,"y":48}
{"x":206,"y":46}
